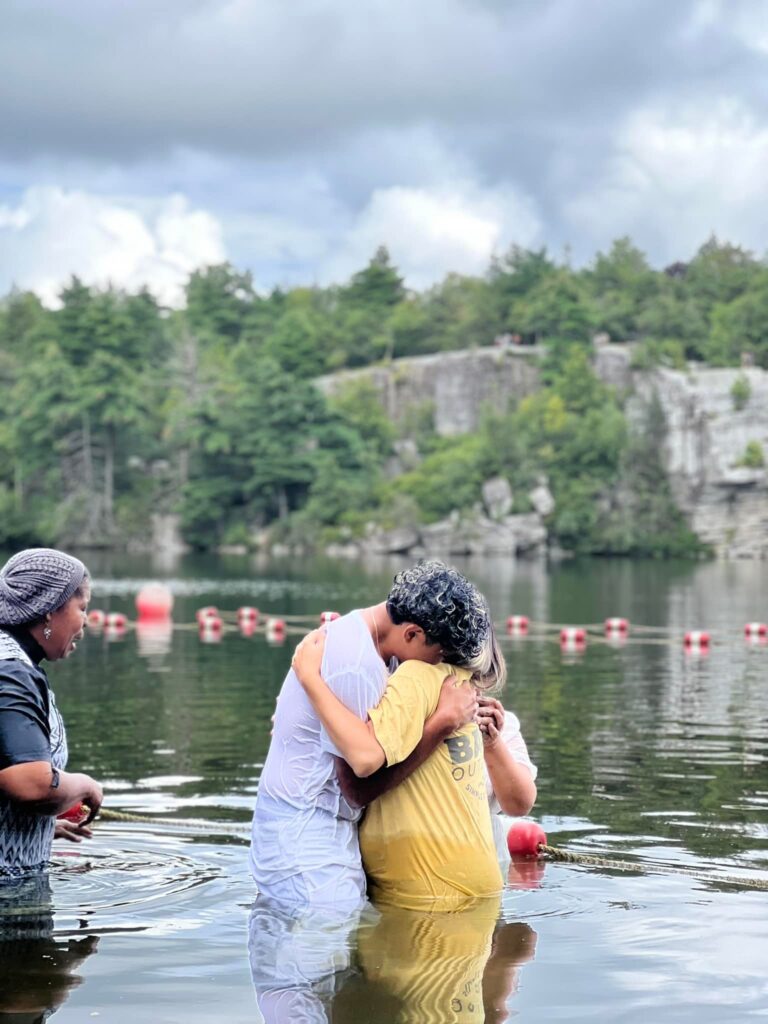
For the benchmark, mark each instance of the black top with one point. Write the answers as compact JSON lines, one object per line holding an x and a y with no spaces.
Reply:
{"x":25,"y":733}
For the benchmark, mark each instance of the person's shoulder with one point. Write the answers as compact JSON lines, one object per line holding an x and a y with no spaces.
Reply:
{"x":422,"y":671}
{"x":20,"y":678}
{"x":21,"y":671}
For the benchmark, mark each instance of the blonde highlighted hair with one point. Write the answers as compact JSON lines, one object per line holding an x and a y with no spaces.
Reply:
{"x":489,"y":669}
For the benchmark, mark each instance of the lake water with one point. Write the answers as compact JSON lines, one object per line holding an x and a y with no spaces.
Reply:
{"x":645,"y":752}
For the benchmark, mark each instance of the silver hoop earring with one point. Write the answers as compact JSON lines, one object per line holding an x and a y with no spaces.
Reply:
{"x":47,"y":632}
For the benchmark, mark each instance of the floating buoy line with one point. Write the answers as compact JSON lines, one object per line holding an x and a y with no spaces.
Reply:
{"x":525,"y":839}
{"x":211,"y":624}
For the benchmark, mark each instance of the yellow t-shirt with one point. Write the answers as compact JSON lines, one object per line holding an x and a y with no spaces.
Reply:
{"x":429,"y":841}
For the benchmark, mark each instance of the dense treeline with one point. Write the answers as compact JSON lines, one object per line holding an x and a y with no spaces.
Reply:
{"x":115,"y":409}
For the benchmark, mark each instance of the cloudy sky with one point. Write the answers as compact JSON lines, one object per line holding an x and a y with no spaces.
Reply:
{"x":139,"y":140}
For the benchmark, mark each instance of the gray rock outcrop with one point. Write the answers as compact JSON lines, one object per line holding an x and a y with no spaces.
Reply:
{"x":497,"y":497}
{"x":705,"y":444}
{"x":452,"y":387}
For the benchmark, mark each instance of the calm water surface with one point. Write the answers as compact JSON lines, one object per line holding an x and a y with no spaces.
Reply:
{"x":645,"y":753}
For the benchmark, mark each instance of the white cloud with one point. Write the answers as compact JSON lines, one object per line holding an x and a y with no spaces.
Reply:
{"x":431,"y":231}
{"x":679,"y":174}
{"x":52,"y":233}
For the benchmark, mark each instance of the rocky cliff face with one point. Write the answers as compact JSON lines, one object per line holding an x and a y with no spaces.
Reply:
{"x":706,"y":436}
{"x":454,"y":386}
{"x":706,"y":442}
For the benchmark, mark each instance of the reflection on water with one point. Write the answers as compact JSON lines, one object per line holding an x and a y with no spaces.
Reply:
{"x":38,"y":975}
{"x":37,"y":971}
{"x":386,"y":964}
{"x":643,"y":751}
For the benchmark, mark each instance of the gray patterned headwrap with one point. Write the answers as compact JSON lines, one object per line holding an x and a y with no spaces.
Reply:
{"x":35,"y":582}
{"x":450,"y":609}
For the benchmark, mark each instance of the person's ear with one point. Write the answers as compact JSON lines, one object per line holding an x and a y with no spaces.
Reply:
{"x":412,"y":632}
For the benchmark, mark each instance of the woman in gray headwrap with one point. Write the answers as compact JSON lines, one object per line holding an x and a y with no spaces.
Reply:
{"x":44,"y":597}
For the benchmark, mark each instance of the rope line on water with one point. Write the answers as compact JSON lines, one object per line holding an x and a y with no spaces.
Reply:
{"x":198,"y":825}
{"x":557,"y":853}
{"x":553,"y":853}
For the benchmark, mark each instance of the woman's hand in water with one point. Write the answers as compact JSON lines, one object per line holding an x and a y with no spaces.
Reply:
{"x":308,"y":656}
{"x":490,"y":718}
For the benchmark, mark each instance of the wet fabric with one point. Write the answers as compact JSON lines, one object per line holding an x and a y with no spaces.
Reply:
{"x":428,"y":842}
{"x":304,"y":845}
{"x":31,"y":729}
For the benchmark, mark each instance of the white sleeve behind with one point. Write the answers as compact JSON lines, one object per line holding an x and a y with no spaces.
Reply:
{"x":515,"y":744}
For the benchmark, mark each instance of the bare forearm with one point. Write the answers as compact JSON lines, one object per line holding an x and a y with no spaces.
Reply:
{"x":362,"y":791}
{"x":34,"y":784}
{"x":353,"y":738}
{"x":512,"y":783}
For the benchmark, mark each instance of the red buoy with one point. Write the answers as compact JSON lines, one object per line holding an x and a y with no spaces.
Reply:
{"x":524,"y":838}
{"x":696,"y":638}
{"x":210,"y":629}
{"x":77,"y":813}
{"x":756,"y":630}
{"x":328,"y":617}
{"x":96,"y":618}
{"x":154,"y":601}
{"x":247,"y":615}
{"x":274,"y":631}
{"x":115,"y":620}
{"x":517,"y":624}
{"x":573,"y":638}
{"x":616,"y":625}
{"x":209,"y":612}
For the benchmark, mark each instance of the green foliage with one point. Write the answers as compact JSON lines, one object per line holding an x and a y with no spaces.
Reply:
{"x":741,"y":392}
{"x":720,"y":273}
{"x":741,"y":326}
{"x":108,"y":387}
{"x":556,"y":311}
{"x":657,"y":352}
{"x":358,"y":404}
{"x":753,"y":457}
{"x":622,"y":284}
{"x":447,"y":479}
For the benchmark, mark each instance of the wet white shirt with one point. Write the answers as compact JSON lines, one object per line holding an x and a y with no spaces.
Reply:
{"x":304,"y":844}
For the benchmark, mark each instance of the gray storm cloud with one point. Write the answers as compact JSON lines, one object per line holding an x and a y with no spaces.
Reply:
{"x":306,"y":129}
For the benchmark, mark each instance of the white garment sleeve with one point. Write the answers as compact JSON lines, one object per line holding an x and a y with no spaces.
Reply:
{"x":515,"y":744}
{"x":358,"y":690}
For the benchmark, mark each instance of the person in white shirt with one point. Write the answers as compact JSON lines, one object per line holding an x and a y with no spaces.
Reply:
{"x":304,"y":846}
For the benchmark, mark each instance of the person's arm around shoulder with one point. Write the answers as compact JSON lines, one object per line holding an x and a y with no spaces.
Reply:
{"x":457,"y":706}
{"x":353,"y":738}
{"x":512,"y":782}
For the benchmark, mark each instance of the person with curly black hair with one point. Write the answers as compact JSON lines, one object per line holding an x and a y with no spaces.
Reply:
{"x":304,"y":845}
{"x":427,"y":842}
